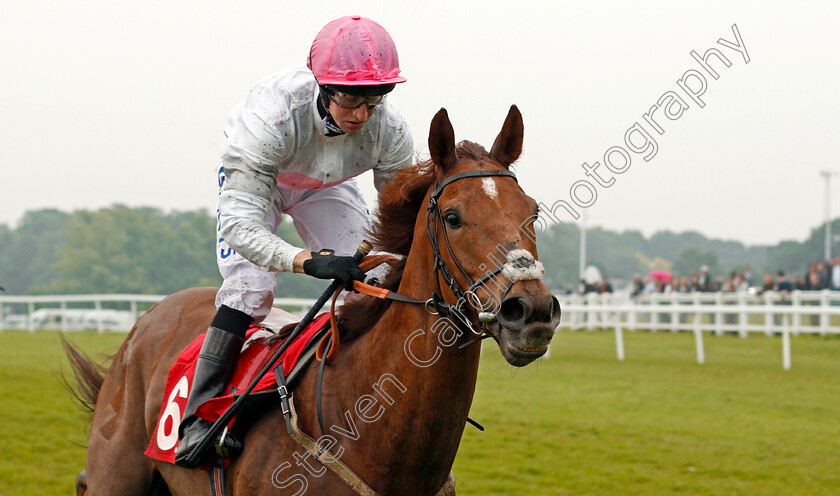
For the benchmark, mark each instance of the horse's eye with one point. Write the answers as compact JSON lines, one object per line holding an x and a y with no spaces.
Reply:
{"x":453,"y":220}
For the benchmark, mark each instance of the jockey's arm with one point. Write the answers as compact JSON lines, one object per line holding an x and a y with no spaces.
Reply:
{"x":253,"y":149}
{"x":299,"y":259}
{"x":243,"y":204}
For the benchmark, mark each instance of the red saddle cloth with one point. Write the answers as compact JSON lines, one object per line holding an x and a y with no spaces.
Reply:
{"x":164,"y":441}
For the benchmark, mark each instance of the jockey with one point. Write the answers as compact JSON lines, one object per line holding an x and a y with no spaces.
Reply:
{"x":294,"y":147}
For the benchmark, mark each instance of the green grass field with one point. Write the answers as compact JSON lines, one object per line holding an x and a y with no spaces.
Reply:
{"x":579,"y":423}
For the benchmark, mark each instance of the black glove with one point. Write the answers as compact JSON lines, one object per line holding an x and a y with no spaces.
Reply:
{"x":325,"y":265}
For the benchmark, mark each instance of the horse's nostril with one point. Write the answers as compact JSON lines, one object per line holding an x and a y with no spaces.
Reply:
{"x":555,"y":309}
{"x":513,"y":310}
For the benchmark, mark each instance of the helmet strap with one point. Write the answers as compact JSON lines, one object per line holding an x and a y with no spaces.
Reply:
{"x":323,"y":110}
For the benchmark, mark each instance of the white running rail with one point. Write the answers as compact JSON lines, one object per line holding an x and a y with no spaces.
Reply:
{"x":106,"y":312}
{"x":770,"y":313}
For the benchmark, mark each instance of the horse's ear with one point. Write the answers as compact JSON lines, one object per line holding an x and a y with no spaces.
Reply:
{"x":442,"y":141}
{"x":508,"y":145}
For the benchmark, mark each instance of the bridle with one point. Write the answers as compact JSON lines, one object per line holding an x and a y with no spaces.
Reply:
{"x":442,"y":271}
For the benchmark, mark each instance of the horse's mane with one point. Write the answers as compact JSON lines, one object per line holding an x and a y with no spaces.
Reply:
{"x":400,"y":201}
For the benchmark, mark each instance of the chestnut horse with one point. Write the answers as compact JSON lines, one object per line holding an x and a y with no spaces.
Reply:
{"x":396,"y":399}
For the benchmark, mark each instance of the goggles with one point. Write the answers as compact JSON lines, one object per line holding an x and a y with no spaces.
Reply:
{"x":344,"y":100}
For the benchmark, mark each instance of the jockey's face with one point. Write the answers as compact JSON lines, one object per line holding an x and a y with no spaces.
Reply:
{"x":351,"y":121}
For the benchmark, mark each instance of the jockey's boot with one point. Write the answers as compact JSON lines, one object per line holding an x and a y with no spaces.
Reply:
{"x":213,"y":371}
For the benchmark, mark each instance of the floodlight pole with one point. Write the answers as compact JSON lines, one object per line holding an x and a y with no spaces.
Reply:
{"x":827,"y":176}
{"x":582,"y":267}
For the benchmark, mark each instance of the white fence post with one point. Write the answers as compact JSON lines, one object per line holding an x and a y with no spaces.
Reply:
{"x":675,"y":320}
{"x":698,"y":343}
{"x":31,"y":308}
{"x":619,"y":343}
{"x":785,"y":347}
{"x":768,"y":314}
{"x":65,"y":324}
{"x":99,"y":324}
{"x":132,"y":307}
{"x":824,"y":303}
{"x":654,"y":318}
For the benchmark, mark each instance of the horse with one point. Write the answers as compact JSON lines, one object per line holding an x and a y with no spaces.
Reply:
{"x":397,"y":396}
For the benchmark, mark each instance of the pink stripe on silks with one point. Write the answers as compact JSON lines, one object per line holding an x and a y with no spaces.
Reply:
{"x":293,"y":180}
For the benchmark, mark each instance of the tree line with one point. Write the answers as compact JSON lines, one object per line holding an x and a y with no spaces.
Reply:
{"x":145,"y":250}
{"x":121,"y":250}
{"x":621,"y":255}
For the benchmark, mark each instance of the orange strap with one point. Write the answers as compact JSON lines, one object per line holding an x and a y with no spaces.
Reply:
{"x":366,"y":264}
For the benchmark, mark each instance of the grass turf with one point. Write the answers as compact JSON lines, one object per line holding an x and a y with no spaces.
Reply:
{"x":578,"y":423}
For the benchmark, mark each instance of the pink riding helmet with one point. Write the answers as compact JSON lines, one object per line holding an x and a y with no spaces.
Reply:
{"x":354,"y":51}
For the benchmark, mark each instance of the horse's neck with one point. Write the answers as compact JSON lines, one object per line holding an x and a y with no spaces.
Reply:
{"x":426,"y":346}
{"x":417,"y":364}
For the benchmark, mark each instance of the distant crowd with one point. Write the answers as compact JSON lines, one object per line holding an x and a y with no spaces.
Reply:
{"x":819,"y":276}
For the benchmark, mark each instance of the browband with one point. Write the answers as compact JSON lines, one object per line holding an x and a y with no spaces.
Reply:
{"x":461,"y":175}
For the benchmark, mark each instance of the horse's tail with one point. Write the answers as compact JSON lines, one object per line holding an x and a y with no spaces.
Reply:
{"x":88,"y":375}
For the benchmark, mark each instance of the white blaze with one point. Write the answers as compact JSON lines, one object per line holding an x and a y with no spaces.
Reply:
{"x":489,"y":187}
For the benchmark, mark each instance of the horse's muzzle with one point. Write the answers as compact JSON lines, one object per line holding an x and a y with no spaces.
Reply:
{"x":528,"y":324}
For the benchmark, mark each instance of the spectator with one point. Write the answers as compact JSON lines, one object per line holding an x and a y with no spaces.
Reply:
{"x":814,"y":281}
{"x":835,"y":274}
{"x":807,"y":280}
{"x":796,"y":282}
{"x":638,"y":285}
{"x":748,"y":275}
{"x":650,"y":286}
{"x":783,"y":286}
{"x":660,"y":285}
{"x":814,"y":285}
{"x":604,"y":286}
{"x":705,"y":280}
{"x":695,"y":280}
{"x":768,"y":284}
{"x":684,"y":286}
{"x":740,"y":284}
{"x":670,"y":286}
{"x":825,"y":277}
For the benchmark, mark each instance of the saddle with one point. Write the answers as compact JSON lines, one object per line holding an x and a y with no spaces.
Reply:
{"x":259,"y":346}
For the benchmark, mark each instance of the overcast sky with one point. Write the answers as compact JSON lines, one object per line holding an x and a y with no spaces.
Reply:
{"x":124,"y":102}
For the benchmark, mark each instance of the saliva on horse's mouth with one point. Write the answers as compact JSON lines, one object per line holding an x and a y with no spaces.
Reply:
{"x":527,"y":352}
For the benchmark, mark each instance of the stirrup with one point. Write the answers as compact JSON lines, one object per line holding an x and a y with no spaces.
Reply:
{"x":233,"y":448}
